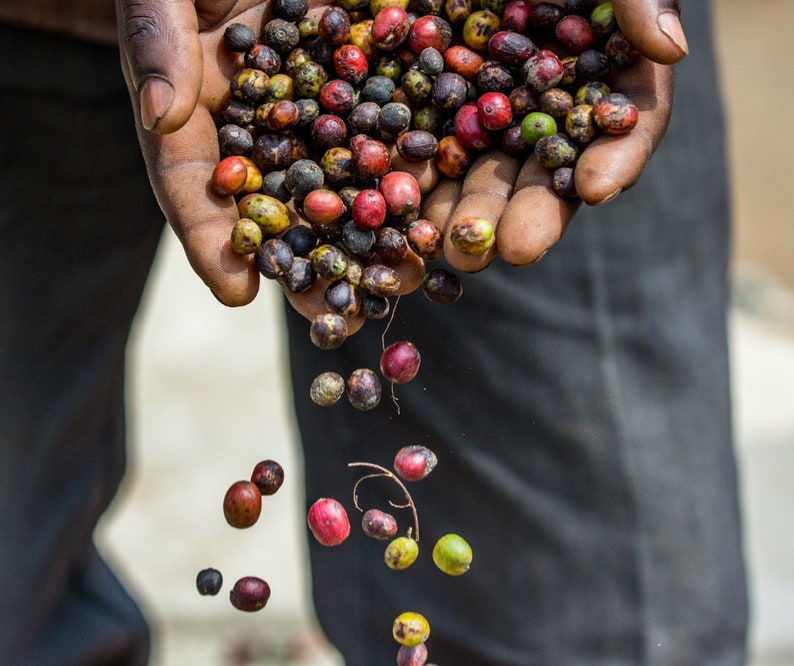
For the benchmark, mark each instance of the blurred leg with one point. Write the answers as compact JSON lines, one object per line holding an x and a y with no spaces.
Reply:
{"x":78,"y":232}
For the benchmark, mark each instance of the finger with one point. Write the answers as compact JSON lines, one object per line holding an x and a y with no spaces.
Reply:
{"x":162,"y":59}
{"x":612,"y":164}
{"x":437,"y":207}
{"x":485,"y":193}
{"x":654,"y":27}
{"x":180,"y":168}
{"x":535,"y":218}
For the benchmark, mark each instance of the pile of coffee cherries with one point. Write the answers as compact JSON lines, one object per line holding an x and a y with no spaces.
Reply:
{"x":348,"y":117}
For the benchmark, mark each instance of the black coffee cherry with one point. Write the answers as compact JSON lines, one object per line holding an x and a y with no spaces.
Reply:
{"x":209,"y":582}
{"x":238,"y":37}
{"x":290,"y":10}
{"x":300,"y":277}
{"x":301,"y":238}
{"x":281,"y":35}
{"x":273,"y":258}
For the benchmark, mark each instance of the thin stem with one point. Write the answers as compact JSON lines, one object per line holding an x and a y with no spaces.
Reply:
{"x":383,"y":472}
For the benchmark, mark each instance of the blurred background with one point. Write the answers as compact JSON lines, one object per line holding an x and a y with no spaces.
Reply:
{"x":209,"y":397}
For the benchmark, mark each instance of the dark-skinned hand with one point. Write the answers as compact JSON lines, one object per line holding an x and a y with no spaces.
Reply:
{"x":178,"y":73}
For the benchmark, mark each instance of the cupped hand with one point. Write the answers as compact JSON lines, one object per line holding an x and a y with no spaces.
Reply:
{"x":517,"y":196}
{"x":178,"y":72}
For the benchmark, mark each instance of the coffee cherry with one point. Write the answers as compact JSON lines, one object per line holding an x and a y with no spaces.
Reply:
{"x":495,"y":111}
{"x":412,"y":656}
{"x":229,"y":176}
{"x":273,"y":258}
{"x":400,"y":361}
{"x":441,"y":286}
{"x":328,"y":521}
{"x":363,"y":389}
{"x":390,"y":28}
{"x":300,"y":277}
{"x":378,"y":524}
{"x":472,"y":235}
{"x":246,"y":236}
{"x":327,"y":388}
{"x":209,"y":582}
{"x":268,"y":212}
{"x":250,"y":594}
{"x":414,"y":462}
{"x":410,"y":628}
{"x":536,"y":125}
{"x":390,"y":247}
{"x":452,"y":554}
{"x":268,"y":475}
{"x":575,"y":33}
{"x":542,"y":70}
{"x":426,"y":239}
{"x":615,"y":114}
{"x":242,"y":504}
{"x":401,"y":553}
{"x":328,"y":330}
{"x":563,"y":183}
{"x":238,"y":37}
{"x":369,"y":209}
{"x":556,"y":150}
{"x":469,"y":130}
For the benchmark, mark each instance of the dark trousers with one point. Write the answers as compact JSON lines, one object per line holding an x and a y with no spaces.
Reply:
{"x":580,"y":411}
{"x":78,"y":233}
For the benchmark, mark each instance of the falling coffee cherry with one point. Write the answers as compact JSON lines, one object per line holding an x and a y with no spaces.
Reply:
{"x":249,"y":594}
{"x":400,"y":361}
{"x":242,"y":504}
{"x":209,"y":582}
{"x":410,"y":628}
{"x":328,"y":521}
{"x":452,"y":554}
{"x":415,"y":655}
{"x":401,"y":553}
{"x":414,"y":462}
{"x":268,"y":475}
{"x":378,"y":524}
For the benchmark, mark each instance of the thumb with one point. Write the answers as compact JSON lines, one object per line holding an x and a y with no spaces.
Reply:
{"x":654,"y":27}
{"x":161,"y":56}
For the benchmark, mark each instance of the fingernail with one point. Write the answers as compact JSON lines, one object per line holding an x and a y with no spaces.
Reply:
{"x":155,"y":96}
{"x":609,"y":197}
{"x":670,"y":25}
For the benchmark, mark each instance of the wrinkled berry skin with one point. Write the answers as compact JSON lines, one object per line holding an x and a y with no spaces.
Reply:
{"x":328,"y":521}
{"x":414,"y":462}
{"x":209,"y":582}
{"x":268,"y":476}
{"x":441,"y":286}
{"x":363,"y":389}
{"x":472,"y":235}
{"x":249,"y":594}
{"x":412,"y":656}
{"x":242,"y":504}
{"x":556,"y":150}
{"x":378,"y":524}
{"x":328,"y":331}
{"x":327,"y":388}
{"x":615,"y":114}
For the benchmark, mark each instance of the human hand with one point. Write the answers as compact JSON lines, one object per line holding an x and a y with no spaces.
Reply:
{"x":517,"y":195}
{"x":177,"y":75}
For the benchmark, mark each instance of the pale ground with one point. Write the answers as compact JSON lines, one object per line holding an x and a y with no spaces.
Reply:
{"x":209,"y":397}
